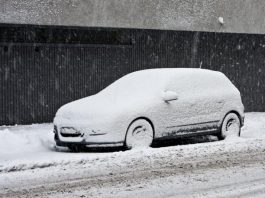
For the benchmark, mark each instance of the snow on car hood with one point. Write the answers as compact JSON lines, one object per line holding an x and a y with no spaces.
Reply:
{"x":97,"y":107}
{"x":79,"y":109}
{"x":101,"y":106}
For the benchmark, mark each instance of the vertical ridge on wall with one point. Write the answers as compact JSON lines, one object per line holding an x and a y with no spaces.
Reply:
{"x":44,"y":67}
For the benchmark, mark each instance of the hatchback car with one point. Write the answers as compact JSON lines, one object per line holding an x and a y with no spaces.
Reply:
{"x":150,"y":105}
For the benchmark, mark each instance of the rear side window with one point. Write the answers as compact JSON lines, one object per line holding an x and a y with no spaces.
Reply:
{"x":199,"y":82}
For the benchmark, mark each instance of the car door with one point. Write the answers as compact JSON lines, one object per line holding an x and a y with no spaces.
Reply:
{"x":183,"y":113}
{"x":191,"y":111}
{"x":180,"y":113}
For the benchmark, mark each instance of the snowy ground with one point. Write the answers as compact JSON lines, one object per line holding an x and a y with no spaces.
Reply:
{"x":30,"y":165}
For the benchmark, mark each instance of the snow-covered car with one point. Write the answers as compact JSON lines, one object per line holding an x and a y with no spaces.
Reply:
{"x":150,"y":105}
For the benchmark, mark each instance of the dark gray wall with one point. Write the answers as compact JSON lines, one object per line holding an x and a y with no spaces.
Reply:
{"x":44,"y":67}
{"x":244,"y":16}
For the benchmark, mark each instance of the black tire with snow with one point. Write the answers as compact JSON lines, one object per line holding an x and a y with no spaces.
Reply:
{"x":231,"y":126}
{"x":140,"y":134}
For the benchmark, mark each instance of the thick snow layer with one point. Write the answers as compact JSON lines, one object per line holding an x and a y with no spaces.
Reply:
{"x":31,"y":146}
{"x":25,"y":139}
{"x":254,"y":126}
{"x":202,"y":96}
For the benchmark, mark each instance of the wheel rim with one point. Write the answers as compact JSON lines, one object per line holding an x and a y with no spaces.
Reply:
{"x":140,"y":134}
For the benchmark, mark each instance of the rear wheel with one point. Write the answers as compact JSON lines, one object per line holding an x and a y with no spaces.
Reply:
{"x":230,"y":127}
{"x":140,"y":134}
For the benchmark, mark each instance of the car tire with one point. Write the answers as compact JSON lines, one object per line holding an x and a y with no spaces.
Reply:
{"x":140,"y":133}
{"x":231,"y":126}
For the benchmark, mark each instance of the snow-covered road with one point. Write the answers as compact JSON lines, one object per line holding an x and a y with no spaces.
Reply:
{"x":30,"y":166}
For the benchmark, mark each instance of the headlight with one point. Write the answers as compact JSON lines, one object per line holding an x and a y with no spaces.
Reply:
{"x":68,"y":130}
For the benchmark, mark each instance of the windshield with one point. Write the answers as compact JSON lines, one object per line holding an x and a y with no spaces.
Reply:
{"x":137,"y":83}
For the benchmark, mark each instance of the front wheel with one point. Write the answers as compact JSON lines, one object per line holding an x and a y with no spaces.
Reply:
{"x":140,"y":134}
{"x":230,"y":127}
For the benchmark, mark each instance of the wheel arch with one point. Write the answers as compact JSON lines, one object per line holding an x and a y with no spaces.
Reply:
{"x":240,"y":119}
{"x":139,"y":118}
{"x":238,"y":114}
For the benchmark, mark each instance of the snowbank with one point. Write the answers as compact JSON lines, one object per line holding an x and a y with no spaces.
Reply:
{"x":254,"y":125}
{"x":25,"y":139}
{"x":31,"y":146}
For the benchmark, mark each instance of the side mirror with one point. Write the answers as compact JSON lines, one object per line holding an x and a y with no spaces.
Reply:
{"x":168,"y":96}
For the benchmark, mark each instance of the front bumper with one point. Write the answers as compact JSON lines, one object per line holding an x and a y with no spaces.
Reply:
{"x":81,"y":140}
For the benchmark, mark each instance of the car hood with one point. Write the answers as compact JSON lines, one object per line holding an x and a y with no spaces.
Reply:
{"x":100,"y":107}
{"x":85,"y":108}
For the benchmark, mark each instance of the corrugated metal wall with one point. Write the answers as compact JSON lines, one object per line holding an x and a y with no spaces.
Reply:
{"x":44,"y":67}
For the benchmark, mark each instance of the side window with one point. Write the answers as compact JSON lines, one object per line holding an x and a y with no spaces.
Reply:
{"x":195,"y":84}
{"x":190,"y":83}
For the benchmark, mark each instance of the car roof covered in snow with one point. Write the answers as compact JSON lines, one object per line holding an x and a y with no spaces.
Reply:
{"x":164,"y":74}
{"x":157,"y":79}
{"x":151,"y":83}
